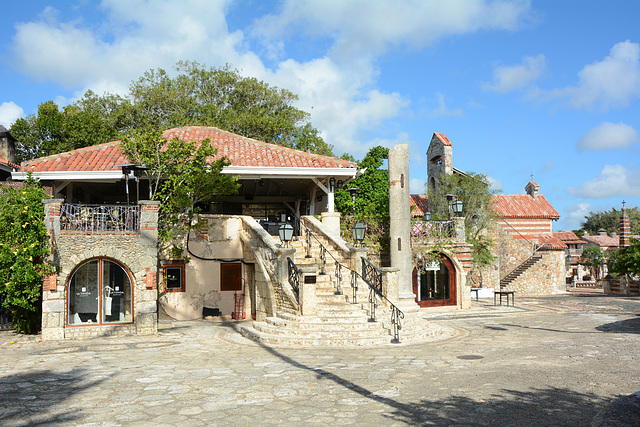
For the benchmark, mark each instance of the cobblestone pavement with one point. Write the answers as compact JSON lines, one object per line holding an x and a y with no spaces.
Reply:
{"x":547,"y":361}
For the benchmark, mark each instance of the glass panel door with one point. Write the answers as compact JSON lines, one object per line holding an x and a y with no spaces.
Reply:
{"x":83,"y":294}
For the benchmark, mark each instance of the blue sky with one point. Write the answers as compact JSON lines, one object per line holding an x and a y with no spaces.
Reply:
{"x":543,"y":88}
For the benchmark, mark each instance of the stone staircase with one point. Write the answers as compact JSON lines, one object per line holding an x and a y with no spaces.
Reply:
{"x":338,"y":320}
{"x":514,"y":274}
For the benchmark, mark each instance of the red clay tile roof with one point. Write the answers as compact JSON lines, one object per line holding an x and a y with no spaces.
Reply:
{"x":568,"y":237}
{"x":442,"y":138}
{"x":8,"y":163}
{"x":602,"y":241}
{"x":241,"y":151}
{"x":523,"y":206}
{"x":549,"y":241}
{"x":421,"y":204}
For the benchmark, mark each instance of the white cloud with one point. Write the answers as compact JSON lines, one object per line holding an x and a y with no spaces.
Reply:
{"x":607,"y":136}
{"x":9,"y":112}
{"x":573,"y":215}
{"x":610,"y":83}
{"x":364,"y":27}
{"x":614,"y":180}
{"x":510,"y":78}
{"x":442,"y":110}
{"x":495,"y":184}
{"x":548,"y":167}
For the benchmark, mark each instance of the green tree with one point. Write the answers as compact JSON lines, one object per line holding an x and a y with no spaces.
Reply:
{"x":627,"y":260}
{"x":372,"y":201}
{"x":39,"y":134}
{"x":610,"y":221}
{"x":474,"y":191}
{"x":182,"y":175}
{"x":25,"y":244}
{"x":593,"y":258}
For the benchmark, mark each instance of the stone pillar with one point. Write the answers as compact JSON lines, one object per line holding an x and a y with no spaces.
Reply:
{"x":331,"y":220}
{"x":400,"y":225}
{"x":53,"y":295}
{"x":390,"y":283}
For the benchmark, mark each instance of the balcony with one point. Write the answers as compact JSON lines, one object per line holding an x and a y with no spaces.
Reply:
{"x":99,"y":219}
{"x":424,"y":231}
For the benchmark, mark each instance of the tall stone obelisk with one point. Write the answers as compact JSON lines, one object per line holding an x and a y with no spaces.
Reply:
{"x":400,"y":225}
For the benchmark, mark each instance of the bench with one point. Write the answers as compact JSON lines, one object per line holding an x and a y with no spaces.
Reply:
{"x":507,"y":294}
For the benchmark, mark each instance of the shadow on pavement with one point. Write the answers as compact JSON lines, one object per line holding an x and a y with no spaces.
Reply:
{"x":629,"y":326}
{"x":551,"y":406}
{"x":543,"y":407}
{"x":29,"y":398}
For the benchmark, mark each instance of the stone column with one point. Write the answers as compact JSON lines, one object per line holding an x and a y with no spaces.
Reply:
{"x":331,"y":220}
{"x":307,"y":298}
{"x":53,"y":295}
{"x":400,"y":225}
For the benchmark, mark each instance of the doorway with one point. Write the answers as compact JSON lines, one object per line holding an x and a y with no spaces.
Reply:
{"x":434,"y":284}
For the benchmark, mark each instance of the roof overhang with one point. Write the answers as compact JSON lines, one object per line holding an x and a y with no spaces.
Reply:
{"x":243,"y":172}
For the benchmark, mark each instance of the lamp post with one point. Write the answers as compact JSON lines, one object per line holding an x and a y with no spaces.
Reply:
{"x":449,"y":200}
{"x":353,"y":191}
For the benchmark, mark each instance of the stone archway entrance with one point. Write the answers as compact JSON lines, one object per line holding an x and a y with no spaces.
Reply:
{"x":435,"y":284}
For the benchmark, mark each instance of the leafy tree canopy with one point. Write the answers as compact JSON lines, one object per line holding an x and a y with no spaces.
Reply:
{"x":196,"y":95}
{"x":627,"y":260}
{"x":473,"y":190}
{"x":372,"y":201}
{"x":182,"y":176}
{"x":24,"y":245}
{"x":610,"y":221}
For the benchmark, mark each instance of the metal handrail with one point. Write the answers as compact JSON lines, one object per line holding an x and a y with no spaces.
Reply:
{"x":294,"y":277}
{"x":375,"y":285}
{"x":536,"y":249}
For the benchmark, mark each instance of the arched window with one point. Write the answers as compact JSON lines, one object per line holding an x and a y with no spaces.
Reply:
{"x":99,"y":292}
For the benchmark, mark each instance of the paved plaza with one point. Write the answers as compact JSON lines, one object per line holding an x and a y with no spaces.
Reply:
{"x":547,"y":361}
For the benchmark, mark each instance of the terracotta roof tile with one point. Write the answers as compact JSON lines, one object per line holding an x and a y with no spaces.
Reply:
{"x":523,"y":206}
{"x":568,"y":237}
{"x":442,"y":138}
{"x":241,"y":151}
{"x":421,"y":204}
{"x":549,"y":241}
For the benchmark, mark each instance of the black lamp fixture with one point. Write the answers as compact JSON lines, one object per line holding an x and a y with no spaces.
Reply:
{"x":340,"y":183}
{"x":286,"y":233}
{"x":569,"y":258}
{"x":358,"y":231}
{"x":353,"y":192}
{"x":457,"y":207}
{"x":332,"y":184}
{"x":427,"y":216}
{"x":137,"y":170}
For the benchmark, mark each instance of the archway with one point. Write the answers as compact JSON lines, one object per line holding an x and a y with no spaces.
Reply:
{"x":434,"y":284}
{"x":99,"y":292}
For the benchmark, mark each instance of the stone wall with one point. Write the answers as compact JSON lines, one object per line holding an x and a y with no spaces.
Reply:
{"x":135,"y":251}
{"x":546,"y":277}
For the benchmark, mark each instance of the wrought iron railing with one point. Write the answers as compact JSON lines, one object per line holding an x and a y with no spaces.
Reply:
{"x":294,"y":277}
{"x":372,"y":276}
{"x":99,"y":218}
{"x":430,"y":230}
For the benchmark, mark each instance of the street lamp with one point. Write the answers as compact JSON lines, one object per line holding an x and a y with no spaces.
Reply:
{"x":358,"y":231}
{"x":286,"y":233}
{"x":427,"y":216}
{"x":353,"y":192}
{"x":457,"y":207}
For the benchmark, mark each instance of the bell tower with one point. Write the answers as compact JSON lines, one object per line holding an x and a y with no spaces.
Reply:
{"x":439,"y":159}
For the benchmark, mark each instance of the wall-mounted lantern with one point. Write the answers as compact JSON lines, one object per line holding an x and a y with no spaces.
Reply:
{"x":457,"y":207}
{"x":427,"y":216}
{"x":332,"y":184}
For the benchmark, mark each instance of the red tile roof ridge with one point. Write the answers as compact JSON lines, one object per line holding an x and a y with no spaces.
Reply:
{"x":275,"y":147}
{"x":442,"y":137}
{"x":523,"y":206}
{"x":7,"y":162}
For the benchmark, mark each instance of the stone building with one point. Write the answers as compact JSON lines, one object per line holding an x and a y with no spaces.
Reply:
{"x":111,"y":278}
{"x":530,"y":259}
{"x":7,"y":154}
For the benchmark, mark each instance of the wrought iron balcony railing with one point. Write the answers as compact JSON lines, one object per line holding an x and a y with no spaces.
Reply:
{"x":99,"y":218}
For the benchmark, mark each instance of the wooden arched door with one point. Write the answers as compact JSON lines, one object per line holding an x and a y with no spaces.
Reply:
{"x":435,"y":286}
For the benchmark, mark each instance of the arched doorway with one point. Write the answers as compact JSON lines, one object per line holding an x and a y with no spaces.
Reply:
{"x":434,"y":284}
{"x":99,"y":292}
